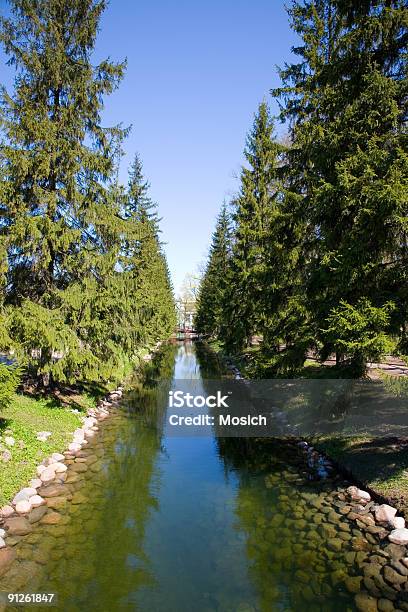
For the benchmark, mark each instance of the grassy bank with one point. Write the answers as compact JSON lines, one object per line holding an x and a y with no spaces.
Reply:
{"x":379,"y":464}
{"x":22,"y":420}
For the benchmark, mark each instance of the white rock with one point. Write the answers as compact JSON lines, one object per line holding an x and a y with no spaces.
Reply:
{"x":48,"y":474}
{"x":43,"y":436}
{"x":40,"y":469}
{"x":36,"y":483}
{"x":9,"y":440}
{"x":56,"y":457}
{"x":399,"y":536}
{"x":59,"y":468}
{"x":2,"y":533}
{"x":22,"y":507}
{"x":6,"y":511}
{"x":358,"y":494}
{"x":397,"y":522}
{"x":74,"y":447}
{"x":89,"y":422}
{"x":385,"y":513}
{"x":2,"y":543}
{"x":24,"y":494}
{"x":79,"y":433}
{"x":36,"y":500}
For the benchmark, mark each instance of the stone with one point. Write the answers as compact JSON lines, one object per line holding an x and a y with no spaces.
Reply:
{"x":52,"y":518}
{"x":7,"y":556}
{"x":371,"y":587}
{"x":399,"y":536}
{"x":40,"y":469}
{"x":36,"y":514}
{"x":43,"y":435}
{"x":57,"y":503}
{"x":6,"y":511}
{"x":397,"y":522}
{"x":9,"y":440}
{"x":18,"y":526}
{"x":36,"y":483}
{"x":385,"y":605}
{"x":57,"y":457}
{"x":353,"y":584}
{"x":24,"y":494}
{"x":23,"y":506}
{"x":6,"y":456}
{"x":400,"y":567}
{"x":52,"y":490}
{"x":90,"y":422}
{"x":385,"y":513}
{"x":2,"y":542}
{"x":358,"y":495}
{"x":74,"y":447}
{"x":393,"y":576}
{"x":78,"y":467}
{"x":73,"y":477}
{"x":335,"y":544}
{"x":79,"y":498}
{"x":372,"y":569}
{"x":395,"y":551}
{"x":48,"y":474}
{"x":58,"y":468}
{"x":360,"y":544}
{"x":36,"y":500}
{"x":365,"y":603}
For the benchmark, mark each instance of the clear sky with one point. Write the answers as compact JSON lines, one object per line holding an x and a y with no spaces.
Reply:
{"x":196,"y":73}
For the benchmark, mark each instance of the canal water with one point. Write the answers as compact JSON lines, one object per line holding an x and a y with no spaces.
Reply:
{"x":160,"y":523}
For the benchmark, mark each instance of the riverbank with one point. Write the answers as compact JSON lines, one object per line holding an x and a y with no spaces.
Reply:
{"x":30,"y":429}
{"x":377,"y":464}
{"x":34,"y":426}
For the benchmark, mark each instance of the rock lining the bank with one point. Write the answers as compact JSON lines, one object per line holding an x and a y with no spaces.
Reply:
{"x":37,"y":501}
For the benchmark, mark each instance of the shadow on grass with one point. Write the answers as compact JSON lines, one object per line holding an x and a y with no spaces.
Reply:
{"x":381,"y":463}
{"x":4,"y":424}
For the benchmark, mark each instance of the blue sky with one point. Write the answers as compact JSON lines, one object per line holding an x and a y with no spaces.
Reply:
{"x":196,"y":73}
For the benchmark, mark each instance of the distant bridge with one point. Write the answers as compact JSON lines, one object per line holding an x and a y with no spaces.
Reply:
{"x":186,"y":332}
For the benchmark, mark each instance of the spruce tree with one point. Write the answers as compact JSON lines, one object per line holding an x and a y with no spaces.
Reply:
{"x":212,"y":296}
{"x":59,"y":228}
{"x":147,"y":276}
{"x":345,"y":101}
{"x":254,"y":212}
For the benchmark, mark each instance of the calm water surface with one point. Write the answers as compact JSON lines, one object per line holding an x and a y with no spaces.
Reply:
{"x":167,"y":524}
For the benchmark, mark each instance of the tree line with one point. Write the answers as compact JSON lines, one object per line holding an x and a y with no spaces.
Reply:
{"x":84,"y":283}
{"x":312,"y":253}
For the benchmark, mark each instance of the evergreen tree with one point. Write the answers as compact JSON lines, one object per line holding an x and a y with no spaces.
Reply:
{"x":211,"y":303}
{"x":254,"y":213}
{"x":345,"y":100}
{"x":147,"y":276}
{"x":59,"y":224}
{"x":65,"y":222}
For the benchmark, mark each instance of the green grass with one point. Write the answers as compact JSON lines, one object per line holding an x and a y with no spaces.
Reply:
{"x":24,"y":418}
{"x":380,"y":464}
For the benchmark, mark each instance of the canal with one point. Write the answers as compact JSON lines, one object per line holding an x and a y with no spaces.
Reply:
{"x":156,"y":522}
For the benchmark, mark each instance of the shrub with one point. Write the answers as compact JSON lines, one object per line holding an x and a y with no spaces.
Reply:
{"x":9,"y":379}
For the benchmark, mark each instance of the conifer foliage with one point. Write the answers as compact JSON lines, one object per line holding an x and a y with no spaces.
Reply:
{"x":70,"y":307}
{"x":319,"y":260}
